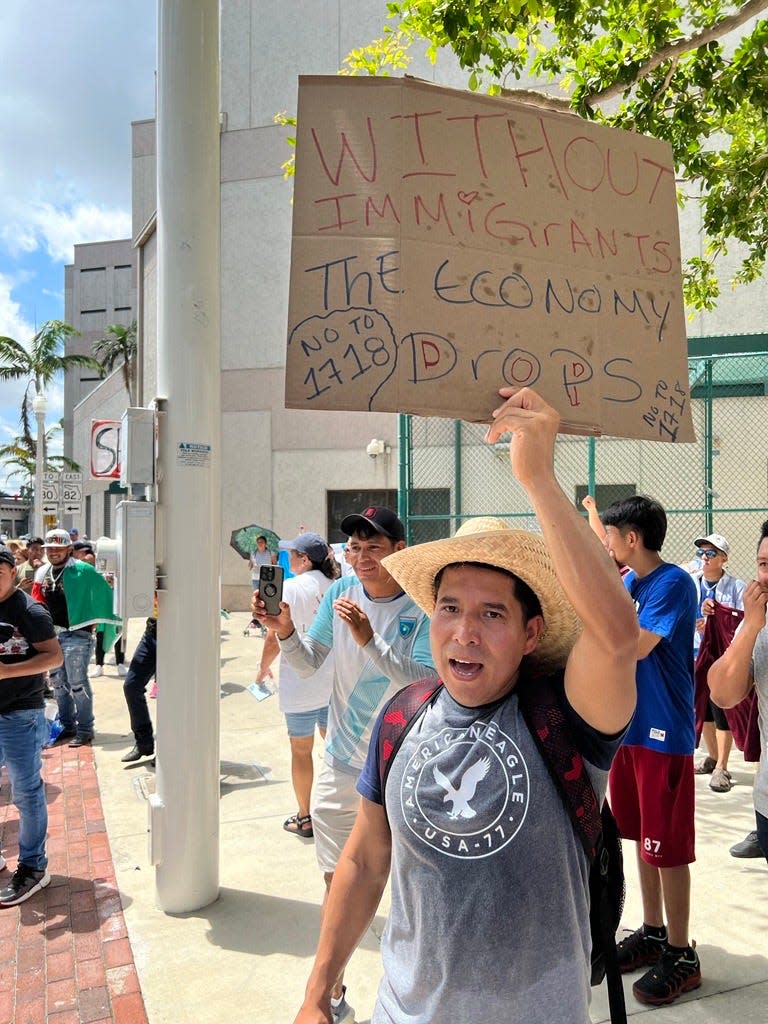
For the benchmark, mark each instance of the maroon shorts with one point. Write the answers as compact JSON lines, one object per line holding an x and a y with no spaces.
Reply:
{"x":652,"y":798}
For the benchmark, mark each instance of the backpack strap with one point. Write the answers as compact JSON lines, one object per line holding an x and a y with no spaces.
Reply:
{"x":400,"y":713}
{"x":543,"y":714}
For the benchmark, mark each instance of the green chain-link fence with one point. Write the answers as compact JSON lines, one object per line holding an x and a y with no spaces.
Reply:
{"x":719,"y":483}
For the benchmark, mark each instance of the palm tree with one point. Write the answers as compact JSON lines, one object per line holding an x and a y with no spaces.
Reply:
{"x":40,"y":364}
{"x":118,"y":347}
{"x":17,"y":457}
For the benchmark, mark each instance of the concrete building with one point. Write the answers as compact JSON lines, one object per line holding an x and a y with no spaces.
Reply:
{"x":99,"y":290}
{"x":281,"y":469}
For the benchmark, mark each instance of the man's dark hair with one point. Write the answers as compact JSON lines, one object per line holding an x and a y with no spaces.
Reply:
{"x":763,"y":532}
{"x":524,"y":594}
{"x":643,"y":515}
{"x":35,"y":540}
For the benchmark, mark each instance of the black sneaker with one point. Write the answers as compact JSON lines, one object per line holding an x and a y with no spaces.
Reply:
{"x":640,"y":950}
{"x":748,"y":847}
{"x":25,"y":883}
{"x":677,"y":972}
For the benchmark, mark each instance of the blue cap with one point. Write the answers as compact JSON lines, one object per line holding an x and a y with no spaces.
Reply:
{"x":310,"y":544}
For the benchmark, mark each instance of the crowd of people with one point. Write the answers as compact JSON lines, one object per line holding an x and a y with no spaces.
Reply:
{"x":643,"y":664}
{"x":56,"y":614}
{"x":634,"y":653}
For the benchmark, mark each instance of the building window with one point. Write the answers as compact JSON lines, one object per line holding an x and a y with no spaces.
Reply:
{"x":425,"y":501}
{"x":605,"y":494}
{"x":107,"y":515}
{"x":341,"y":503}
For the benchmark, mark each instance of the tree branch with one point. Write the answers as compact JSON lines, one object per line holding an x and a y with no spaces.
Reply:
{"x":722,"y":28}
{"x":542,"y":99}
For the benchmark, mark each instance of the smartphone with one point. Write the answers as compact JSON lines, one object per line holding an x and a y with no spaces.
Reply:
{"x":271,"y":587}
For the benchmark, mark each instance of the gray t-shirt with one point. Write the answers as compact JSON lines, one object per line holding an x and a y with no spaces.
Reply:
{"x":760,"y":675}
{"x":490,"y":905}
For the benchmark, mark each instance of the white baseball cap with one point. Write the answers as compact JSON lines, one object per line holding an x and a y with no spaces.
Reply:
{"x":57,"y":539}
{"x":717,"y":540}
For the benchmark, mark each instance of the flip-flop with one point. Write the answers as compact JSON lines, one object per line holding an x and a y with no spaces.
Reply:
{"x":299,"y":826}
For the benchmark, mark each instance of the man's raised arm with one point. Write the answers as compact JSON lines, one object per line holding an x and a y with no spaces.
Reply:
{"x":600,"y":675}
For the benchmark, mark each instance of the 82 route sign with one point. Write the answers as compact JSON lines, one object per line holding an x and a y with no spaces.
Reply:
{"x":71,"y":493}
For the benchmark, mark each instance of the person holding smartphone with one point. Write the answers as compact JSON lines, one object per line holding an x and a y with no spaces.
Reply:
{"x":380,"y":641}
{"x":304,"y":702}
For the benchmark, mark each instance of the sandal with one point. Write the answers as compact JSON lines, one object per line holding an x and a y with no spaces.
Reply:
{"x":706,"y":767}
{"x":299,"y":826}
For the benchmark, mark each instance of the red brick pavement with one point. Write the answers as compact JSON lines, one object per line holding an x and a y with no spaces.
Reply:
{"x":65,"y":957}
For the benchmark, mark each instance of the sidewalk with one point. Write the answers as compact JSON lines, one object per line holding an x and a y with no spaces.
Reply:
{"x":65,"y":955}
{"x":245,"y":959}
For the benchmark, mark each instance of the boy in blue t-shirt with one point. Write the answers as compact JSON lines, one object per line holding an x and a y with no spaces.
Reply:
{"x":651,"y":779}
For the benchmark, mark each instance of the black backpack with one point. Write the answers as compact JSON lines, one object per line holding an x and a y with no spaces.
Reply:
{"x":594,"y":825}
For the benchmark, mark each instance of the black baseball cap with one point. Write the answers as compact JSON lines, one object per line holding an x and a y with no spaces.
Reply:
{"x":6,"y":557}
{"x":382,"y":520}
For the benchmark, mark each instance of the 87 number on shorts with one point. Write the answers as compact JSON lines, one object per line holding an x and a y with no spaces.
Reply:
{"x":651,"y":845}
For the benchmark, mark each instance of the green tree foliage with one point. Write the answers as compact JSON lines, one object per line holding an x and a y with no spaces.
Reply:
{"x":692,"y":72}
{"x":118,"y":348}
{"x":39,"y":364}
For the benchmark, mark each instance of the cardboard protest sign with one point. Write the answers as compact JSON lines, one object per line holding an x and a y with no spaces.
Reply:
{"x":446,"y":243}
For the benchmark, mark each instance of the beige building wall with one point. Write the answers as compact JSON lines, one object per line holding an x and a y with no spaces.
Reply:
{"x":278,"y":465}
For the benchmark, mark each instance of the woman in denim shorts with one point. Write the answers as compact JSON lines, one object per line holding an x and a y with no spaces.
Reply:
{"x":304,"y":702}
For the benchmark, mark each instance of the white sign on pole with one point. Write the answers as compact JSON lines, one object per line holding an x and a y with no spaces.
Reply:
{"x":50,"y":491}
{"x":71,"y":488}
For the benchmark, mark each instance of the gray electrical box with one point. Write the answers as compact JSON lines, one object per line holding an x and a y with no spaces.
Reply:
{"x":135,"y":587}
{"x":137,"y":448}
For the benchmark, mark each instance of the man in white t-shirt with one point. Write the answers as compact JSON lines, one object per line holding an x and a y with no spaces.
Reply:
{"x":380,"y":639}
{"x":304,"y":702}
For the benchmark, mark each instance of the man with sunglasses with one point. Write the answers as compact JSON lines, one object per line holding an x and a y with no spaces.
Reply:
{"x":715,"y":586}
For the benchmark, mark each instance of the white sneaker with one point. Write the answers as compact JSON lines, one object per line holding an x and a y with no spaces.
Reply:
{"x":2,"y":862}
{"x":97,"y":670}
{"x":122,"y":670}
{"x":342,"y":1013}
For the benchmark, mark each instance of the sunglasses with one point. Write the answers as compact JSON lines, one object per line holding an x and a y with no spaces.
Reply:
{"x":708,"y":554}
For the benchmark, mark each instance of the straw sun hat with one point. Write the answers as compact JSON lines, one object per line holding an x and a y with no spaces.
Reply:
{"x":490,"y":541}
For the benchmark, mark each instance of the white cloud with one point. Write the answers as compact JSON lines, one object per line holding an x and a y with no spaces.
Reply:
{"x":58,"y":229}
{"x":61,"y":229}
{"x":19,"y":238}
{"x":12,"y":323}
{"x":74,"y":76}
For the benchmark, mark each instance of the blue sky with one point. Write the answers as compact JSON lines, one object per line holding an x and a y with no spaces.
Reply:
{"x":74,"y":77}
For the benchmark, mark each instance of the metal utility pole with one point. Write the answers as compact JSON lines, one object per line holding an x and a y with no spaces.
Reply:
{"x":39,"y":408}
{"x":184,"y":818}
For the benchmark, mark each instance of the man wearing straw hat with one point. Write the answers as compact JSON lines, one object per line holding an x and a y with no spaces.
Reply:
{"x":490,"y":906}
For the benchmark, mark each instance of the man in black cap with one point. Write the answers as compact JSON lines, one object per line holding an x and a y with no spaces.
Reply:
{"x":28,"y":648}
{"x":380,"y":642}
{"x":25,"y":573}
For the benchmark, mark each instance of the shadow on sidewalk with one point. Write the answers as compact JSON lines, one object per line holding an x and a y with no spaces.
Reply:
{"x":261,"y":925}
